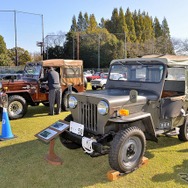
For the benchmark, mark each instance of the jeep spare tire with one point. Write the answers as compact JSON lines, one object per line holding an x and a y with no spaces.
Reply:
{"x":17,"y":107}
{"x":127,"y":150}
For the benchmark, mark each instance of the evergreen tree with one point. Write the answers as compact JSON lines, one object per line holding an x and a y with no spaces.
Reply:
{"x":81,"y":22}
{"x":157,"y":28}
{"x":102,"y":23}
{"x":86,"y":21}
{"x":74,"y":24}
{"x":137,"y":25}
{"x":131,"y":35}
{"x":166,"y":36}
{"x":92,"y":23}
{"x":114,"y":21}
{"x":122,"y":26}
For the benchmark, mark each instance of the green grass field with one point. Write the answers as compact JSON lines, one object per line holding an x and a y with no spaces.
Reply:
{"x":22,"y":163}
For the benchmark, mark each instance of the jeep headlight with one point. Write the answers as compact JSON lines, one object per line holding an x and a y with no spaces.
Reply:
{"x":72,"y":102}
{"x":103,"y":107}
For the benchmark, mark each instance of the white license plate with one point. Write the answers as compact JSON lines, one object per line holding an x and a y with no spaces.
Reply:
{"x":76,"y":128}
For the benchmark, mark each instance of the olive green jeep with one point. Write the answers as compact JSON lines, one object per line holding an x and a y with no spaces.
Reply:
{"x":148,"y":97}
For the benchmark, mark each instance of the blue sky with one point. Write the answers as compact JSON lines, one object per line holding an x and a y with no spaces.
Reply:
{"x":58,"y":15}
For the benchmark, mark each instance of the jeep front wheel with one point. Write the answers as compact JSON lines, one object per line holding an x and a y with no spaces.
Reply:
{"x":127,"y":150}
{"x":17,"y":107}
{"x":183,"y":132}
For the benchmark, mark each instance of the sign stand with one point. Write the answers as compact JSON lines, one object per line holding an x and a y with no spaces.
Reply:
{"x":48,"y":135}
{"x":51,"y":157}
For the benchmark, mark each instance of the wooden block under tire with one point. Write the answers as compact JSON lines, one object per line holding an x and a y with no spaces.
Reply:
{"x":113,"y":175}
{"x":144,"y":161}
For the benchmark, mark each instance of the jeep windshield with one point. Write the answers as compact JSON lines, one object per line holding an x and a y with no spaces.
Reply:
{"x":137,"y":72}
{"x":32,"y":70}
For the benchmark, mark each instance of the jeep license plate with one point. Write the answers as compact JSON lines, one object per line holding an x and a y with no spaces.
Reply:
{"x":76,"y":128}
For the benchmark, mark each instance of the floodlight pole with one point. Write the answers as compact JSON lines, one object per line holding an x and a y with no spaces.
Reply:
{"x":15,"y":31}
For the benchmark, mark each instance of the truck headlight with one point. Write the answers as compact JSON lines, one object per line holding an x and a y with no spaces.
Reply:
{"x":72,"y":102}
{"x":102,"y":107}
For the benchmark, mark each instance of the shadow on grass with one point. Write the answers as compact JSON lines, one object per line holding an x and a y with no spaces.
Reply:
{"x":37,"y":111}
{"x":23,"y":165}
{"x":179,"y":175}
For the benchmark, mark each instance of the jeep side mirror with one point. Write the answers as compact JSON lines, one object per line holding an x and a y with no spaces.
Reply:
{"x":133,"y":96}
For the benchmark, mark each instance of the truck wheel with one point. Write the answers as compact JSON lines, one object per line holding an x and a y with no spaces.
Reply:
{"x":68,"y":143}
{"x":183,"y":132}
{"x":17,"y":107}
{"x":94,"y":88}
{"x":46,"y":103}
{"x":127,"y":150}
{"x":103,"y":87}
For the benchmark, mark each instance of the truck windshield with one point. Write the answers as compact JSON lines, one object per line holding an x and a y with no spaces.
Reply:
{"x":32,"y":70}
{"x":137,"y":72}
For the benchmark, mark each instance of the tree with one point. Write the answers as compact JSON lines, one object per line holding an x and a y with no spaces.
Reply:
{"x":74,"y":24}
{"x":166,"y":36}
{"x":80,"y":22}
{"x":121,"y":26}
{"x":131,"y":36}
{"x":157,"y":28}
{"x":86,"y":21}
{"x":4,"y":58}
{"x":3,"y":48}
{"x":23,"y":55}
{"x":92,"y":23}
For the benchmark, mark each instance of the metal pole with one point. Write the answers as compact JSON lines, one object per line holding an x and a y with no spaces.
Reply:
{"x":73,"y":46}
{"x":98,"y":52}
{"x":78,"y":46}
{"x":42,"y":21}
{"x":15,"y":31}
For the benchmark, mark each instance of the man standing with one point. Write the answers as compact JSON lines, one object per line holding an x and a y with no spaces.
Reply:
{"x":55,"y":91}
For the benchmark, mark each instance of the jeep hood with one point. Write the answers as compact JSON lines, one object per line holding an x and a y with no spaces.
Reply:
{"x":116,"y":96}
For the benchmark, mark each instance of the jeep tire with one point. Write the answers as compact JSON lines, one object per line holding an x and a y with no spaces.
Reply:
{"x":127,"y":150}
{"x":68,"y":143}
{"x":183,"y":132}
{"x":17,"y":107}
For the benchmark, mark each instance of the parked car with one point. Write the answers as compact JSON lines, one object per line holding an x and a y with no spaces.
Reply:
{"x":11,"y":76}
{"x":29,"y":91}
{"x":118,"y":120}
{"x":100,"y":82}
{"x":93,"y":76}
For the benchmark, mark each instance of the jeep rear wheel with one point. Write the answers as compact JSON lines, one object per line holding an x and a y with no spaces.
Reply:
{"x":17,"y":107}
{"x":127,"y":150}
{"x":68,"y":143}
{"x":183,"y":132}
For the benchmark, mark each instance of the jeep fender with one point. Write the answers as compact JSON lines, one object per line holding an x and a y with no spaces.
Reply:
{"x":147,"y":122}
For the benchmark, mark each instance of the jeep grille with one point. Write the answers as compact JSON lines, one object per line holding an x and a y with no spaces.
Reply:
{"x":89,"y":116}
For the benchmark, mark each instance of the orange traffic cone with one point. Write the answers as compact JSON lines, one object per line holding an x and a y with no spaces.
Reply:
{"x":6,"y":128}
